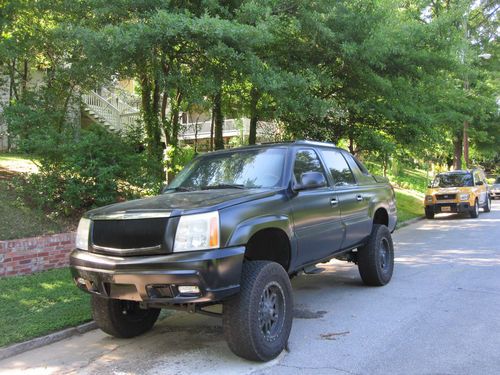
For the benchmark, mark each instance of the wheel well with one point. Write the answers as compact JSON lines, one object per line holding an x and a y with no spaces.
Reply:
{"x":381,"y":217}
{"x":269,"y":244}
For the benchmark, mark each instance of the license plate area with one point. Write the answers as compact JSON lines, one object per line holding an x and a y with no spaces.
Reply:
{"x":445,"y":209}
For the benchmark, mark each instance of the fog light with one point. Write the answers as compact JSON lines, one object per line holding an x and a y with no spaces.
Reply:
{"x":188,"y":289}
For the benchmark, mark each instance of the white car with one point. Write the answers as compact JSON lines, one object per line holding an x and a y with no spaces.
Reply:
{"x":495,"y":189}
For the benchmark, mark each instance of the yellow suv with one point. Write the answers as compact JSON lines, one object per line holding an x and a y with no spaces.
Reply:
{"x":458,"y":191}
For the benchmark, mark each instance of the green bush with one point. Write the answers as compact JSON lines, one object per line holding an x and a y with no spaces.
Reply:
{"x":95,"y":169}
{"x":177,"y":157}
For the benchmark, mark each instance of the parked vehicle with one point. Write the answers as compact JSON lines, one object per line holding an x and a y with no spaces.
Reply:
{"x":233,"y":228}
{"x":462,"y":191}
{"x":495,"y":189}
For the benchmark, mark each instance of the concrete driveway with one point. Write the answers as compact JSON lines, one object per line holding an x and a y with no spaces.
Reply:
{"x":439,"y":315}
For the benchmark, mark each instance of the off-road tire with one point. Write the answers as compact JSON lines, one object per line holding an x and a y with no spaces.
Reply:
{"x":376,"y":258}
{"x":122,"y":319}
{"x":487,"y":207}
{"x":474,"y":211}
{"x":244,"y":315}
{"x":429,"y":214}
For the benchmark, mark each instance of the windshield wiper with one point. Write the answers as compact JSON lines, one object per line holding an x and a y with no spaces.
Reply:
{"x":223,"y":186}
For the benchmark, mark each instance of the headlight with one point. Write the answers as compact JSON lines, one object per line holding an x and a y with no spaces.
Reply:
{"x":428,"y":198}
{"x":82,"y":234}
{"x":464,"y":197}
{"x":197,"y":232}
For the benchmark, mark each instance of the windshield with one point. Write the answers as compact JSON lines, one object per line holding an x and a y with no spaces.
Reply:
{"x":254,"y":168}
{"x":453,"y":180}
{"x":497,"y":181}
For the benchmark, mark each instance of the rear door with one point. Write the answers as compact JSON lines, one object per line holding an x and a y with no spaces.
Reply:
{"x":355,"y":202}
{"x":481,"y":188}
{"x":316,"y":215}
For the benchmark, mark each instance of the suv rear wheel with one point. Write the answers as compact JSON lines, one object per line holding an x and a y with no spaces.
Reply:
{"x":487,"y":207}
{"x":429,"y":213}
{"x":258,"y":320}
{"x":122,"y":319}
{"x":376,"y":258}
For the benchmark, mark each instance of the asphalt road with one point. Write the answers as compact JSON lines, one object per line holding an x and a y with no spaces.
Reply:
{"x":439,"y":315}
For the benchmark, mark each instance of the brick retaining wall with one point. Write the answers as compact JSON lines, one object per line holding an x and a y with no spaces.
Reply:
{"x":28,"y":255}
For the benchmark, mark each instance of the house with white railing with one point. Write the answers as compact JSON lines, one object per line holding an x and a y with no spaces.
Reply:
{"x":117,"y":108}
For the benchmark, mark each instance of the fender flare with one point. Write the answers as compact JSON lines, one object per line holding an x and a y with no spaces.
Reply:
{"x":246,"y":229}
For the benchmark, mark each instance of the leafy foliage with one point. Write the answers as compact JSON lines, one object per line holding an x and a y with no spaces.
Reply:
{"x":94,"y":169}
{"x":388,"y":80}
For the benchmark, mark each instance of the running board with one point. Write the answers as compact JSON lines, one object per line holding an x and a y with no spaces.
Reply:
{"x":312,"y":270}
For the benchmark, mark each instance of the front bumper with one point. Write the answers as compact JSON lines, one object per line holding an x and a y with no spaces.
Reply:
{"x":437,"y":208}
{"x":495,"y":194}
{"x":156,"y":279}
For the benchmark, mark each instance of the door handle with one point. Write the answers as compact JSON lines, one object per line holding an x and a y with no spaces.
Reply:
{"x":334,"y":201}
{"x":359,"y":197}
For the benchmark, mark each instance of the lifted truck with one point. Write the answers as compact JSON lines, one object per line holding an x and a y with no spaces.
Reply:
{"x":232,"y":229}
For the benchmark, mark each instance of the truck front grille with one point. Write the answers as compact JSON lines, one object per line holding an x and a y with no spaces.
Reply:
{"x":442,"y":197}
{"x":129,"y":237}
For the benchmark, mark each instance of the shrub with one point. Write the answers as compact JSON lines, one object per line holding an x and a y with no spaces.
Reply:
{"x":95,"y":169}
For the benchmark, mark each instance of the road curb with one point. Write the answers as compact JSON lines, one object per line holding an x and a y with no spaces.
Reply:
{"x":409,"y":222}
{"x":38,"y":342}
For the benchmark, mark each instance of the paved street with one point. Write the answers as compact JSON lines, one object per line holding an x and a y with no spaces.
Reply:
{"x":439,"y":315}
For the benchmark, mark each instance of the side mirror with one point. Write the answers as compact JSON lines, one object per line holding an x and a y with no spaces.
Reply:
{"x":479,"y":183}
{"x":310,"y":180}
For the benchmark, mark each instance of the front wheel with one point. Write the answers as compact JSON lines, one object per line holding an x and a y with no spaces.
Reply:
{"x":474,"y":212}
{"x":258,"y":320}
{"x":122,"y":319}
{"x":376,"y":258}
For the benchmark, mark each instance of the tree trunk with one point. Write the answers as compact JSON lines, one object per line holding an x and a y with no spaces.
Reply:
{"x":466,"y":144}
{"x":150,"y":107}
{"x":254,"y":99}
{"x":351,"y":144}
{"x":218,"y":122}
{"x":24,"y":83}
{"x":13,"y":86}
{"x":212,"y":123}
{"x":457,"y":154}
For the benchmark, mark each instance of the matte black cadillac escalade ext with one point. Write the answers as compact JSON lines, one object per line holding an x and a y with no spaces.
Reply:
{"x":232,"y":228}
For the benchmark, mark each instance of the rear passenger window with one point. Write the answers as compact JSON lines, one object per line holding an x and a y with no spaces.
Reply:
{"x":307,"y":161}
{"x":341,"y":173}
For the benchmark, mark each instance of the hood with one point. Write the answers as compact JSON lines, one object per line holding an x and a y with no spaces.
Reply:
{"x":178,"y":203}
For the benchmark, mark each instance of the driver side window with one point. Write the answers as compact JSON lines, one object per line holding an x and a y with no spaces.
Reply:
{"x":307,"y":161}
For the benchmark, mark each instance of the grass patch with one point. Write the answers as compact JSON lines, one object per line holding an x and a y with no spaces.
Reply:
{"x":35,"y":305}
{"x":411,"y":179}
{"x":410,"y":205}
{"x":17,"y":163}
{"x":18,"y":220}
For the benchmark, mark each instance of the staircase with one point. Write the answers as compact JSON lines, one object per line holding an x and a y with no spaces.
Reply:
{"x":110,"y":109}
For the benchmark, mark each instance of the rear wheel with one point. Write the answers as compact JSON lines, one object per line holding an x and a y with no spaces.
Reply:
{"x":376,"y":258}
{"x":429,"y":213}
{"x":122,"y":319}
{"x":487,"y":207}
{"x":258,"y":320}
{"x":474,"y":212}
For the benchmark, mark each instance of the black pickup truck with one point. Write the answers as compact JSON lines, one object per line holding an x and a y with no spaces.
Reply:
{"x":232,"y":229}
